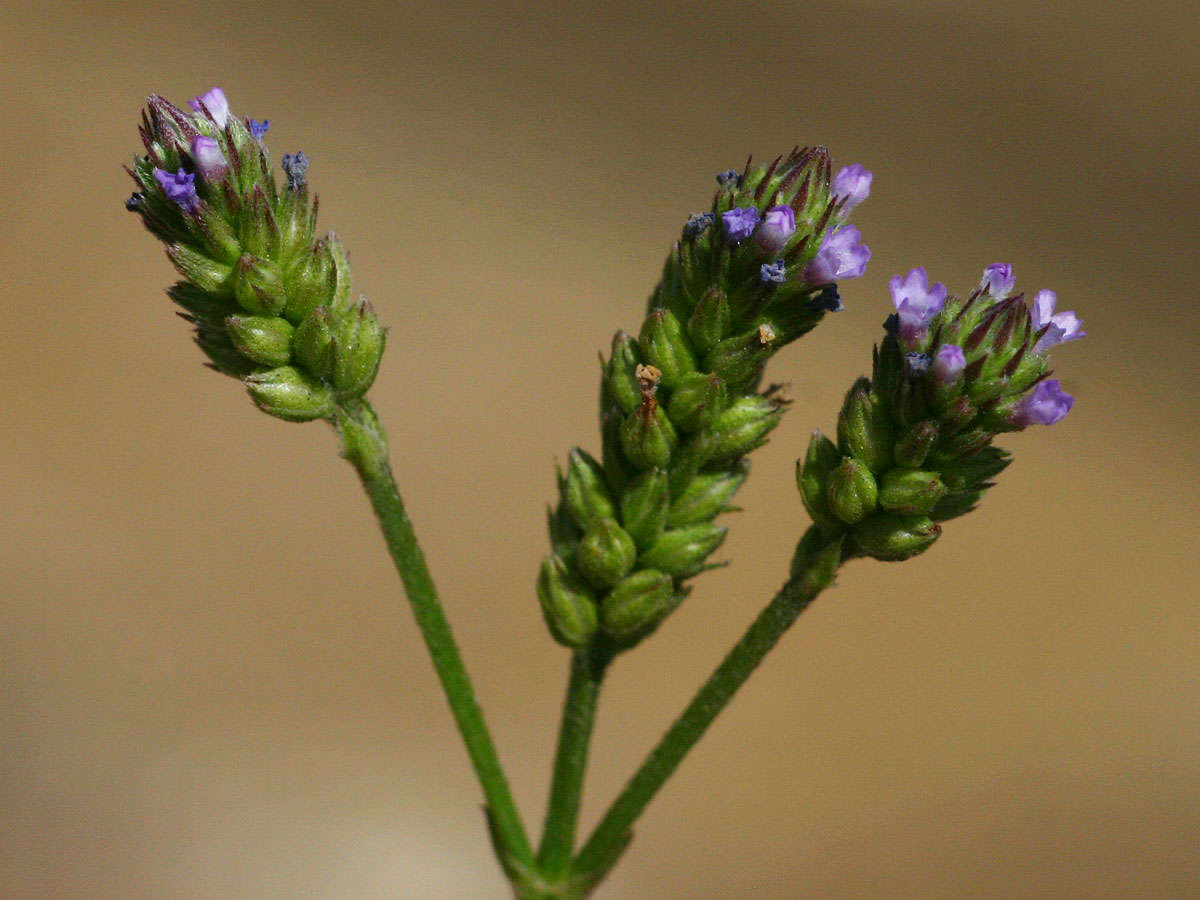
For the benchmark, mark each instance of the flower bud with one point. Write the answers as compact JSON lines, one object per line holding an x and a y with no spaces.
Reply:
{"x":210,"y":161}
{"x":666,"y":346}
{"x":812,"y":476}
{"x":710,"y":321}
{"x":358,"y":348}
{"x":313,"y":342}
{"x":865,"y":429}
{"x":606,"y":554}
{"x":852,"y":491}
{"x":777,"y":228}
{"x":743,"y":427}
{"x":266,"y":340}
{"x":585,"y":490}
{"x":637,"y":604}
{"x":740,"y":359}
{"x":309,"y":283}
{"x":974,"y":471}
{"x":257,"y":286}
{"x":288,"y":393}
{"x":910,"y":491}
{"x":697,"y":400}
{"x":618,"y":470}
{"x":644,"y":506}
{"x":567,"y":605}
{"x":681,"y":552}
{"x":648,"y":437}
{"x":705,"y":496}
{"x":202,"y":271}
{"x":621,"y":373}
{"x":892,"y":538}
{"x":914,"y":443}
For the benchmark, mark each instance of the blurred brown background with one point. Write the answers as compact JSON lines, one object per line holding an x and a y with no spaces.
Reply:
{"x":212,"y":687}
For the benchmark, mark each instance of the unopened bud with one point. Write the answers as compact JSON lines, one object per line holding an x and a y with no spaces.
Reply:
{"x":697,"y":401}
{"x":852,"y":491}
{"x":914,"y":443}
{"x":644,"y":507}
{"x":681,"y":551}
{"x":710,"y":321}
{"x":205,"y":273}
{"x":865,"y":429}
{"x":621,"y":373}
{"x":891,"y":537}
{"x":310,"y":283}
{"x":910,"y":491}
{"x":266,"y":340}
{"x":705,"y":496}
{"x":648,"y":437}
{"x":358,"y":348}
{"x":740,"y":359}
{"x":637,"y":604}
{"x":812,"y":478}
{"x":257,"y":286}
{"x":743,"y":427}
{"x":567,"y":605}
{"x":313,"y":342}
{"x":288,"y":393}
{"x":585,"y":490}
{"x":606,"y":554}
{"x":666,"y":346}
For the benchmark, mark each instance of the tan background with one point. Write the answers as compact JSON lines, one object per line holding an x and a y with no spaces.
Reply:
{"x":212,"y":687}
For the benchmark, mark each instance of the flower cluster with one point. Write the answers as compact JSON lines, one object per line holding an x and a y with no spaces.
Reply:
{"x":914,"y":441}
{"x":681,"y":404}
{"x":271,"y":305}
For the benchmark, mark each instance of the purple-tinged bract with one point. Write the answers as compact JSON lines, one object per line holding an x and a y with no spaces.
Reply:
{"x":1045,"y":405}
{"x":841,"y":255}
{"x":852,"y":185}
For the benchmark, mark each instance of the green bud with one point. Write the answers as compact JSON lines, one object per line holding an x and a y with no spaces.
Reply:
{"x":295,"y":223}
{"x":617,"y":469}
{"x":341,"y":273}
{"x":564,"y":533}
{"x":705,"y":496}
{"x":313,"y":342}
{"x":740,"y":359}
{"x":710,"y":321}
{"x":812,"y":476}
{"x":621,"y":373}
{"x":267,"y":340}
{"x":585,"y":490}
{"x":914,"y":443}
{"x":257,"y":286}
{"x":743,"y":427}
{"x":816,"y":559}
{"x":567,"y":605}
{"x":357,"y":349}
{"x":288,"y":393}
{"x":309,"y":283}
{"x":891,"y":537}
{"x":865,"y":429}
{"x":852,"y":491}
{"x":666,"y":346}
{"x":697,"y":400}
{"x":637,"y":604}
{"x":205,"y":273}
{"x":681,"y":552}
{"x":259,"y":229}
{"x":644,"y":507}
{"x":218,"y":237}
{"x":648,"y":437}
{"x":974,"y":471}
{"x":910,"y":491}
{"x":606,"y":554}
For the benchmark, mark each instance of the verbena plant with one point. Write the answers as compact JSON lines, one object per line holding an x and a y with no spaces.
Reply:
{"x":682,"y":406}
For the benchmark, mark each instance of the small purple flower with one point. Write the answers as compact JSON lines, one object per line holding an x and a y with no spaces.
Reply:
{"x":1045,"y":405}
{"x":915,"y":301}
{"x":214,"y":101}
{"x":948,"y":363}
{"x":773,"y":272}
{"x":258,"y":130}
{"x":777,"y":227}
{"x":852,"y":183}
{"x":739,"y":223}
{"x":134,"y":203}
{"x":698,"y":223}
{"x":998,"y":280}
{"x":296,"y":169}
{"x":916,"y":364}
{"x":1064,"y":326}
{"x":842,"y":255}
{"x":730,"y":175}
{"x":210,"y":161}
{"x":180,"y":187}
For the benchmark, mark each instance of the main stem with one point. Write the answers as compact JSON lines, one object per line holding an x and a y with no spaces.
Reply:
{"x":365,"y":446}
{"x":611,"y":835}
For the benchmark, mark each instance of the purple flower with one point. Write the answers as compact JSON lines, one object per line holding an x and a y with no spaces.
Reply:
{"x":1045,"y":405}
{"x":730,"y":175}
{"x":180,"y":187}
{"x":852,"y":183}
{"x":842,"y":255}
{"x":948,"y":363}
{"x":915,"y":301}
{"x":214,"y":101}
{"x":776,"y":272}
{"x":296,"y":169}
{"x":258,"y":130}
{"x":777,"y":227}
{"x":697,"y":223}
{"x":208,"y":157}
{"x":998,"y":280}
{"x":916,"y":364}
{"x":739,"y":223}
{"x":1064,"y":326}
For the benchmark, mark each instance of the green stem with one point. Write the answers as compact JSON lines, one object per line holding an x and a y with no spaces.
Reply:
{"x":612,"y":834}
{"x":588,"y":666}
{"x":365,"y":446}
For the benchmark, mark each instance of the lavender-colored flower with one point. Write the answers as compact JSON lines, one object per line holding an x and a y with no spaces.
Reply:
{"x":730,"y":175}
{"x":698,"y":223}
{"x":739,"y":223}
{"x":296,"y":169}
{"x":776,"y":272}
{"x":214,"y":101}
{"x":853,"y":183}
{"x":1044,"y":405}
{"x":206,"y":152}
{"x":777,"y":227}
{"x":841,"y":255}
{"x":915,"y":301}
{"x":180,"y":187}
{"x":1064,"y":326}
{"x":998,"y":280}
{"x":948,"y":363}
{"x":258,"y":130}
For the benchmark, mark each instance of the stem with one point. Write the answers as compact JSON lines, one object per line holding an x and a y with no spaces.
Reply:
{"x":365,"y":447}
{"x":588,"y":666}
{"x":604,"y":846}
